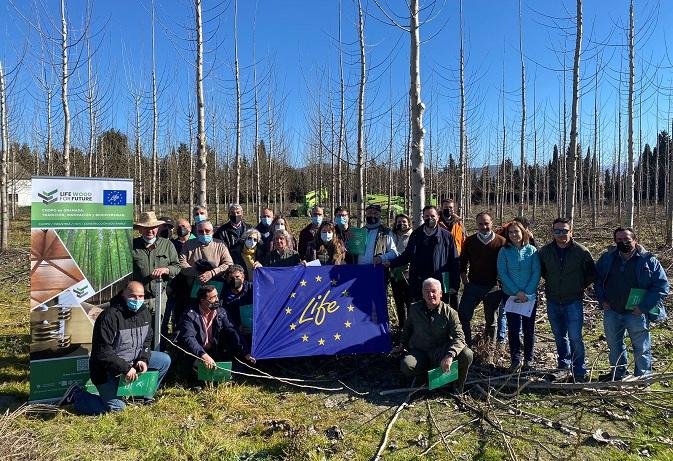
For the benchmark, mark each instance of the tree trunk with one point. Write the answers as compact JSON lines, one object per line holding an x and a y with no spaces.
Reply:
{"x":523,"y":178}
{"x":155,"y":126}
{"x":4,"y":146}
{"x":630,"y":172}
{"x":572,"y":154}
{"x":361,"y":116}
{"x":64,"y":91}
{"x":461,"y":141}
{"x":237,"y":159}
{"x":201,"y":111}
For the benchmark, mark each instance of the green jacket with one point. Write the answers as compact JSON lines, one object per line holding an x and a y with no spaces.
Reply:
{"x":145,"y":261}
{"x":566,"y":284}
{"x":436,"y":332}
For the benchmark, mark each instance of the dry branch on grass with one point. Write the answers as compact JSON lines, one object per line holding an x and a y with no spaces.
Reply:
{"x":19,"y":443}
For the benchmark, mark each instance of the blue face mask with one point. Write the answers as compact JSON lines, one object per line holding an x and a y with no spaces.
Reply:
{"x":199,"y":217}
{"x":205,"y":239}
{"x":134,"y":304}
{"x":317,"y":220}
{"x":150,"y":241}
{"x":341,"y":221}
{"x":266,"y":221}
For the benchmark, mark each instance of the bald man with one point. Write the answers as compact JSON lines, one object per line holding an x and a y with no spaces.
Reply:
{"x":120,"y":347}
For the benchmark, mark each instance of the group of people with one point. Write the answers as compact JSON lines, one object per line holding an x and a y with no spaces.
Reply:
{"x":205,"y":278}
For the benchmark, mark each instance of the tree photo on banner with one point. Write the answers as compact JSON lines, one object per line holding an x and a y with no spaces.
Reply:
{"x":81,"y":231}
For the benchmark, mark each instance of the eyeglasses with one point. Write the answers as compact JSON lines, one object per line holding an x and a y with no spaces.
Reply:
{"x":561,"y":231}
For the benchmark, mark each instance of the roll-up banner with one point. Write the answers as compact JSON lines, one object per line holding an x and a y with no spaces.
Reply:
{"x":81,"y":232}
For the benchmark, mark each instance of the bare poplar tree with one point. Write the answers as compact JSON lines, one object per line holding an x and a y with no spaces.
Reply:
{"x":361,"y":116}
{"x":572,"y":154}
{"x":417,"y":109}
{"x":64,"y":90}
{"x":237,"y":160}
{"x":630,"y":172}
{"x":523,"y":115}
{"x":462,"y":195}
{"x":200,"y":105}
{"x":4,"y":152}
{"x":155,"y":125}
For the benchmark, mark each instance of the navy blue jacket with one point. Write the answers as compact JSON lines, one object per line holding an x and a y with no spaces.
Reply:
{"x":192,"y":334}
{"x":649,"y":274}
{"x":233,"y":301}
{"x":444,"y":259}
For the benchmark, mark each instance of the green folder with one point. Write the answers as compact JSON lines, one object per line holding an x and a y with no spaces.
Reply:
{"x":636,"y":297}
{"x":145,"y":386}
{"x":246,"y":316}
{"x":216,"y":283}
{"x":222,"y":373}
{"x":358,"y":241}
{"x":90,"y":387}
{"x":445,"y":281}
{"x":437,"y":377}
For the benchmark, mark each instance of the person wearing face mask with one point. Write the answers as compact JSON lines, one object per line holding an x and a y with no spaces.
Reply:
{"x":342,"y":228}
{"x":282,"y":255}
{"x":199,"y":213}
{"x":430,"y":253}
{"x":249,"y":253}
{"x":178,"y":289}
{"x":380,"y":245}
{"x":237,"y":292}
{"x":450,"y":221}
{"x":166,"y":229}
{"x":624,"y":267}
{"x":399,"y":277}
{"x":204,"y":258}
{"x":567,"y":269}
{"x":308,"y":233}
{"x":206,"y":332}
{"x":280,"y":223}
{"x":479,"y":274}
{"x":154,"y":258}
{"x":327,"y":246}
{"x":265,"y":229}
{"x":232,"y":231}
{"x":120,"y":347}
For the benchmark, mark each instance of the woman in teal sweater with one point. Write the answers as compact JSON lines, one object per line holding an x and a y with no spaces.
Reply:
{"x":519,"y":274}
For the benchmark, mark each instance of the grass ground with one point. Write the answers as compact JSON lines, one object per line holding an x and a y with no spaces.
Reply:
{"x":252,"y":419}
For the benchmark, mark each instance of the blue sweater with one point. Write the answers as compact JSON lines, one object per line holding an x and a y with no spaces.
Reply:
{"x":518,"y":270}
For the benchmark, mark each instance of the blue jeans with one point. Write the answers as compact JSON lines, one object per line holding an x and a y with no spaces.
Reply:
{"x":566,"y":321}
{"x":106,"y":401}
{"x":516,"y":322}
{"x":638,"y":327}
{"x":473,"y":294}
{"x":502,"y":322}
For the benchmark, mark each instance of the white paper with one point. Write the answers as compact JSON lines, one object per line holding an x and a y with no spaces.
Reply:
{"x":515,"y":307}
{"x":315,"y":262}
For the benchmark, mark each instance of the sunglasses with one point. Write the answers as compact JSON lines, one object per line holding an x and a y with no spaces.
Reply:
{"x":561,"y":231}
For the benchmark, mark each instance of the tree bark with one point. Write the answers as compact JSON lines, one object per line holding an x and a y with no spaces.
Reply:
{"x":630,"y":172}
{"x":64,"y":91}
{"x":201,"y":111}
{"x":361,"y":116}
{"x":572,"y":154}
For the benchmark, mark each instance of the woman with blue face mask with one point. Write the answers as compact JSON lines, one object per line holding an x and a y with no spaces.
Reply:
{"x":327,"y":246}
{"x":249,"y":252}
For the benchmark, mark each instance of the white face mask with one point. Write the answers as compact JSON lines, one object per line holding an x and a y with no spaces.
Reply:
{"x":279,"y":227}
{"x":326,"y":236}
{"x":250,"y":243}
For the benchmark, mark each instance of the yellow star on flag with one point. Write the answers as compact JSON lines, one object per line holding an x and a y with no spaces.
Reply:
{"x":350,"y":308}
{"x":293,"y":326}
{"x":345,"y":293}
{"x":288,"y":310}
{"x":321,"y":342}
{"x":303,"y":283}
{"x":348,"y":324}
{"x":293,"y":295}
{"x":333,"y":282}
{"x":337,"y":336}
{"x":318,"y":278}
{"x":304,"y":338}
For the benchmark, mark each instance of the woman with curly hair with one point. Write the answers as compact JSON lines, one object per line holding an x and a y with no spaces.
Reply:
{"x":327,"y":246}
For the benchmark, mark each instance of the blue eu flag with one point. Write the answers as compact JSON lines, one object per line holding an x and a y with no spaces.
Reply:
{"x":325,"y":310}
{"x":114,"y":197}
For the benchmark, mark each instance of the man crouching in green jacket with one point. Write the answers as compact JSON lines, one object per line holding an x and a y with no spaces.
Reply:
{"x":433,"y":336}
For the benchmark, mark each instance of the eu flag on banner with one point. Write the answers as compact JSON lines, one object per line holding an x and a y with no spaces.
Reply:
{"x":325,"y":310}
{"x":114,"y":197}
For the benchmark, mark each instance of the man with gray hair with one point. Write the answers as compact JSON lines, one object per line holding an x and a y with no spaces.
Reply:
{"x":307,"y":234}
{"x":433,"y":336}
{"x":230,"y":232}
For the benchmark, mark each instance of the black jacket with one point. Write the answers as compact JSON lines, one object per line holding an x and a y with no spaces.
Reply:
{"x":444,"y":259}
{"x":192,"y":334}
{"x":232,"y":302}
{"x":229,"y":234}
{"x":120,"y":338}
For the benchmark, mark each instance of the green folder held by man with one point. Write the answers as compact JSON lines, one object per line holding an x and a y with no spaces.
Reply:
{"x":636,"y":297}
{"x":357,"y":242}
{"x":219,"y":374}
{"x":437,"y":377}
{"x":144,"y":386}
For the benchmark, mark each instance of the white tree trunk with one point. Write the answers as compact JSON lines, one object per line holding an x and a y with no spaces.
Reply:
{"x":361,"y":116}
{"x":4,"y":147}
{"x":200,"y":105}
{"x":630,"y":172}
{"x":155,"y":126}
{"x":522,"y":199}
{"x":237,"y":160}
{"x":462,"y":193}
{"x":64,"y":91}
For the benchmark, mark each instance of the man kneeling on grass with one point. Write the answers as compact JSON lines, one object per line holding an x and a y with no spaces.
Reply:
{"x":206,"y":332}
{"x":120,"y":347}
{"x":433,"y":336}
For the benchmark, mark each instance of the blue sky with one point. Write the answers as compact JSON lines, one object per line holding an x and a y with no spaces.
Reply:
{"x":297,"y":57}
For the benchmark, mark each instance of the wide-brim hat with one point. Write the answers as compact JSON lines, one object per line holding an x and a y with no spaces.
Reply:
{"x":148,"y":219}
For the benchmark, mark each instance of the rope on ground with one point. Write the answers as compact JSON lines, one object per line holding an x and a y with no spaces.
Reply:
{"x":265,"y":376}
